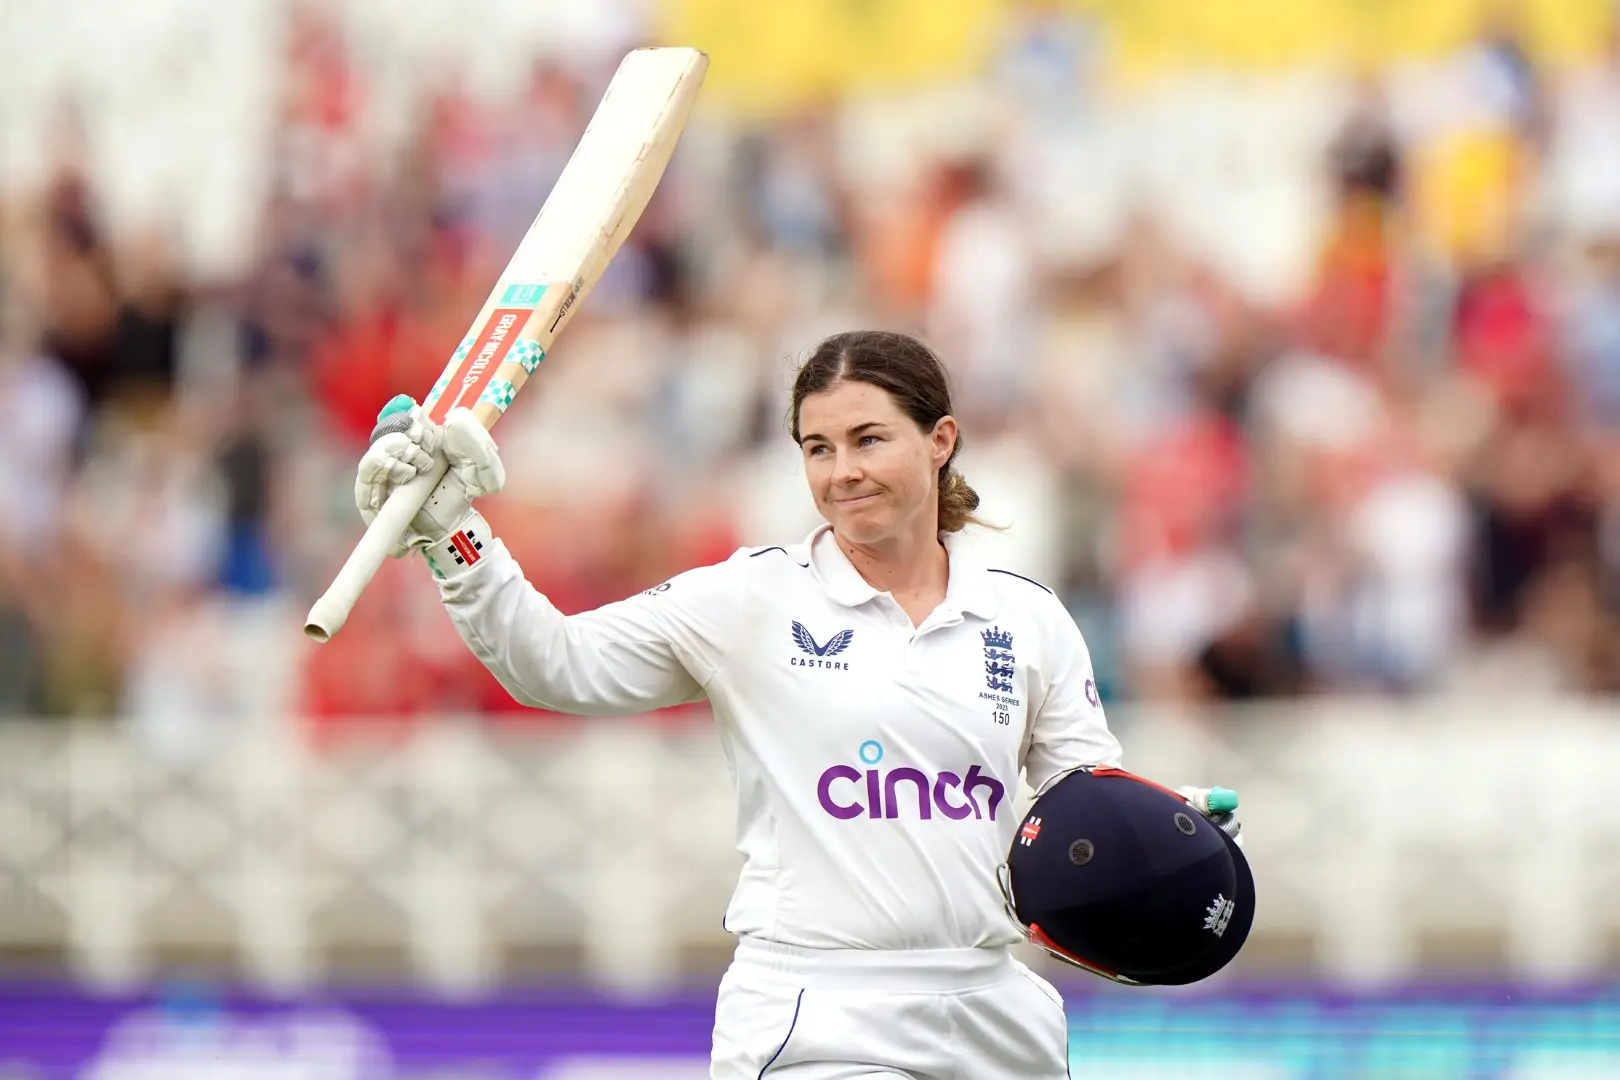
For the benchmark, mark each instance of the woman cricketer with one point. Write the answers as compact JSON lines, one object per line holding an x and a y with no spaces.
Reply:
{"x":877,"y":691}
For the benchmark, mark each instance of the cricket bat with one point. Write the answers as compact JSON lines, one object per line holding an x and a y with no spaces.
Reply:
{"x":593,"y":206}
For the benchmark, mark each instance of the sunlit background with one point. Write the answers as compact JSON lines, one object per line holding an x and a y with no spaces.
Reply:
{"x":1286,"y":336}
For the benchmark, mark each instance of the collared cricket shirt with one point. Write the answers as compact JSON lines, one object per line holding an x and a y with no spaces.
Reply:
{"x":875,"y":762}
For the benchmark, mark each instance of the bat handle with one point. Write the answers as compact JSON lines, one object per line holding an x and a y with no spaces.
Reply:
{"x":331,"y":611}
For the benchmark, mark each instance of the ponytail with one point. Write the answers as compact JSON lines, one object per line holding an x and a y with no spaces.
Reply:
{"x":957,"y":500}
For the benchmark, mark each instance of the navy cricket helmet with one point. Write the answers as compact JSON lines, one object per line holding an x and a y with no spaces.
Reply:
{"x":1127,"y":880}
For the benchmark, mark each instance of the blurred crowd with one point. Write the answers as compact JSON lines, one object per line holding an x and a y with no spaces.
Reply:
{"x":1387,"y":464}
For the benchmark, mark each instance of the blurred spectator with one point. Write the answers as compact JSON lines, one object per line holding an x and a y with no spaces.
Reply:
{"x":982,"y":295}
{"x":1350,"y":307}
{"x":78,"y":290}
{"x":41,"y":412}
{"x":1590,"y":335}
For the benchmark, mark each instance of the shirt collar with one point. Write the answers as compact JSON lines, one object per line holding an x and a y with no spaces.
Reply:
{"x":969,"y":588}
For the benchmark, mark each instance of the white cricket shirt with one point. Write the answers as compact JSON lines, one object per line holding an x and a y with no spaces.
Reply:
{"x":875,"y":762}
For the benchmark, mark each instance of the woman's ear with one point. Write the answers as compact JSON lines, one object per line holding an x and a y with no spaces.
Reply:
{"x":944,"y":438}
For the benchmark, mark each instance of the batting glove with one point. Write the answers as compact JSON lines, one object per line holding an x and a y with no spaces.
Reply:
{"x":1219,"y":805}
{"x":405,"y":444}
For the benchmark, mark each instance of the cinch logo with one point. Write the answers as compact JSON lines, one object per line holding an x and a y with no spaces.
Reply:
{"x":808,"y":644}
{"x":841,"y":790}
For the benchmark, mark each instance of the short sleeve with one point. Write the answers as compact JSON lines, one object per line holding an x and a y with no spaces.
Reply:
{"x":1069,"y":730}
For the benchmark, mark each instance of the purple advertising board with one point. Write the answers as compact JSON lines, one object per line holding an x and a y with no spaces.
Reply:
{"x":190,"y":1031}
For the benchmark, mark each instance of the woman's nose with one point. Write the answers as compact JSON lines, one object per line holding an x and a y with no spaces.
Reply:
{"x":846,"y":469}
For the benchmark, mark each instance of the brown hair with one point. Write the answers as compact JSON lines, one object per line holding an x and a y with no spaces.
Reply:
{"x":912,"y":375}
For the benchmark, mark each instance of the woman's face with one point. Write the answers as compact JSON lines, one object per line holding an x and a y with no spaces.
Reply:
{"x":873,"y":473}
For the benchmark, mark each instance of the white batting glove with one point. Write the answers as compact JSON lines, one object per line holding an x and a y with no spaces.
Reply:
{"x":405,"y":444}
{"x":1219,"y":805}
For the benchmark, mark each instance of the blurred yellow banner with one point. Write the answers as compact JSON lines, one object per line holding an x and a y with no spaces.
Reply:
{"x":771,"y":54}
{"x":1154,"y":37}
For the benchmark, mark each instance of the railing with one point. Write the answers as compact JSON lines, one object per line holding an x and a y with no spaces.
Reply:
{"x":1390,"y":841}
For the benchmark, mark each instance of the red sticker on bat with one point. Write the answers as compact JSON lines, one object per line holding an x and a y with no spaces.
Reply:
{"x":478,"y":366}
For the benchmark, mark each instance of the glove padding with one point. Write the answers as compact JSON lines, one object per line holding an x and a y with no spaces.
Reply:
{"x":405,"y":444}
{"x":1219,"y":805}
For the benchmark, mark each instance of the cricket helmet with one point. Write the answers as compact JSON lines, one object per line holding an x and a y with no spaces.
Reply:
{"x":1126,"y":879}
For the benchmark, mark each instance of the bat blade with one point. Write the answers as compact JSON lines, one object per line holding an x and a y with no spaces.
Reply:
{"x":597,"y":200}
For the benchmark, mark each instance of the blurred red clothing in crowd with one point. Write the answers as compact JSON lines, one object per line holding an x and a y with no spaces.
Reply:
{"x":1181,"y":488}
{"x":1504,"y":341}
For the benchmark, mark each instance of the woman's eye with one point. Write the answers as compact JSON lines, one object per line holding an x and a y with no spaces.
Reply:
{"x":869,"y":439}
{"x":817,"y":449}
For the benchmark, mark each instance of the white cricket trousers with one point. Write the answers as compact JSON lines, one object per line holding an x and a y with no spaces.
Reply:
{"x":790,"y":1013}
